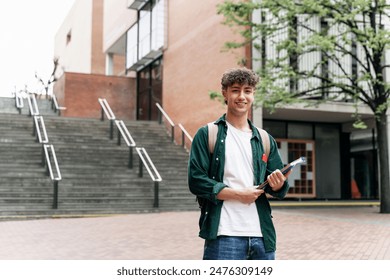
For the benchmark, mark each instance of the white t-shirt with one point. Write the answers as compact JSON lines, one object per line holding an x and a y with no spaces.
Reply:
{"x":238,"y":219}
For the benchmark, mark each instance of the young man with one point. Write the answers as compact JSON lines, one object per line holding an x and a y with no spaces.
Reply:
{"x":236,"y":220}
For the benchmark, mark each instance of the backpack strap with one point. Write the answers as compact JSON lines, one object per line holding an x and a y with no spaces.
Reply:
{"x":213,"y":131}
{"x":265,"y":139}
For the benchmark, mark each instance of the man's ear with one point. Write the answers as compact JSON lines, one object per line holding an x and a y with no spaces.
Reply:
{"x":224,"y":95}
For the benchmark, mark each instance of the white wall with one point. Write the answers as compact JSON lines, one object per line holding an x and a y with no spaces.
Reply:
{"x":75,"y":56}
{"x":117,"y":19}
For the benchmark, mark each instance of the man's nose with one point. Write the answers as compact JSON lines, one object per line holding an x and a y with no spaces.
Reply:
{"x":242,"y":94}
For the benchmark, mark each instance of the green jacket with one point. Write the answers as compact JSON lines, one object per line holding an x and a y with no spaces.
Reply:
{"x":205,"y":179}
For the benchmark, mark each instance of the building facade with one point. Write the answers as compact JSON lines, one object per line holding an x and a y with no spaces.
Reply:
{"x":171,"y":53}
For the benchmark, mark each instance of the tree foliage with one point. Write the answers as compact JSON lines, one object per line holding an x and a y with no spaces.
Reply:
{"x":312,"y":51}
{"x":351,"y":31}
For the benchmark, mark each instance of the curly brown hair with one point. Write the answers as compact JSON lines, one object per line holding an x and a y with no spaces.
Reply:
{"x":241,"y":76}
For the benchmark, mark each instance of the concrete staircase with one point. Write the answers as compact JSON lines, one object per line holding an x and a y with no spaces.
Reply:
{"x":96,"y":178}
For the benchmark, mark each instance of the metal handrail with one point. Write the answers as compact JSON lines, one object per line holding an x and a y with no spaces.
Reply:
{"x":184,"y":134}
{"x":34,"y":111}
{"x":19,"y":104}
{"x":37,"y":130}
{"x":106,"y":109}
{"x":55,"y":106}
{"x":145,"y":160}
{"x":50,"y":172}
{"x":50,"y":169}
{"x":122,"y":130}
{"x":163,"y":113}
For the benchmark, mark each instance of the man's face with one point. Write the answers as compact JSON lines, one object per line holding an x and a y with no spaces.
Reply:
{"x":239,"y":98}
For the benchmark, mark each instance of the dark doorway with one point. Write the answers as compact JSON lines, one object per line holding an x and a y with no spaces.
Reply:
{"x":364,"y":183}
{"x":149,"y":91}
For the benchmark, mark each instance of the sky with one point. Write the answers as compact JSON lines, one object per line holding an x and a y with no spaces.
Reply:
{"x":27,"y":33}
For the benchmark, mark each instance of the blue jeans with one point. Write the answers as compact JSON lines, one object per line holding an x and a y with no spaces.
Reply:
{"x":236,"y":248}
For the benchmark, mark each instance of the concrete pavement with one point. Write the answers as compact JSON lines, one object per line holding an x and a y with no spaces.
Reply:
{"x":310,"y":233}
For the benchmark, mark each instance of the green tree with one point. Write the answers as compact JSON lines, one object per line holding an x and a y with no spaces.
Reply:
{"x":315,"y":51}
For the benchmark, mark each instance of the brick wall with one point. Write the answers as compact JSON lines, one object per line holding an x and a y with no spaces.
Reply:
{"x":194,"y":62}
{"x":80,"y":93}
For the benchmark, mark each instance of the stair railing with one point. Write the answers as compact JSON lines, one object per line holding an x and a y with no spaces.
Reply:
{"x":33,"y":106}
{"x":55,"y":107}
{"x":124,"y":132}
{"x":155,"y":176}
{"x":39,"y":131}
{"x":51,"y":158}
{"x":106,"y":109}
{"x":162,"y":113}
{"x":19,"y":104}
{"x":48,"y":155}
{"x":185,"y":135}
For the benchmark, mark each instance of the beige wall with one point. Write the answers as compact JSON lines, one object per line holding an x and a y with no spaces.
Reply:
{"x":75,"y":56}
{"x":194,"y":62}
{"x":117,"y":20}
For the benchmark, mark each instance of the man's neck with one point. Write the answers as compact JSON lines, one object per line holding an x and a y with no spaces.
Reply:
{"x":239,"y":122}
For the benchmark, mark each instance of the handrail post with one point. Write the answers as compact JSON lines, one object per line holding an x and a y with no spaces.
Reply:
{"x":162,"y":112}
{"x":55,"y":178}
{"x":106,"y":109}
{"x":102,"y":115}
{"x":131,"y":157}
{"x":34,"y":128}
{"x":119,"y":138}
{"x":156,"y":194}
{"x":122,"y":131}
{"x":55,"y":195}
{"x":184,"y":135}
{"x":111,"y":129}
{"x":19,"y":103}
{"x":43,"y":156}
{"x":145,"y":159}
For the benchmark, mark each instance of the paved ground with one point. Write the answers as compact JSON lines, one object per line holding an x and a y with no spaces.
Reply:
{"x":312,"y":233}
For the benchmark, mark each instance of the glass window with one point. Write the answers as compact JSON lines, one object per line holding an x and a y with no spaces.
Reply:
{"x":131,"y":46}
{"x":158,"y":25}
{"x":276,"y":128}
{"x":300,"y":131}
{"x":144,"y":33}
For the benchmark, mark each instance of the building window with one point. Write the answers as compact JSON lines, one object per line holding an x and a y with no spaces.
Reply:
{"x":144,"y":31}
{"x":145,"y":39}
{"x":132,"y":46}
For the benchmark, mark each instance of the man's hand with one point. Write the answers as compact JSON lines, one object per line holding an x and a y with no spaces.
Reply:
{"x":276,"y":179}
{"x":246,"y":196}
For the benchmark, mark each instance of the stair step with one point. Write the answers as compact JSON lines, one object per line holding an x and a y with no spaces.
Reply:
{"x":96,"y":177}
